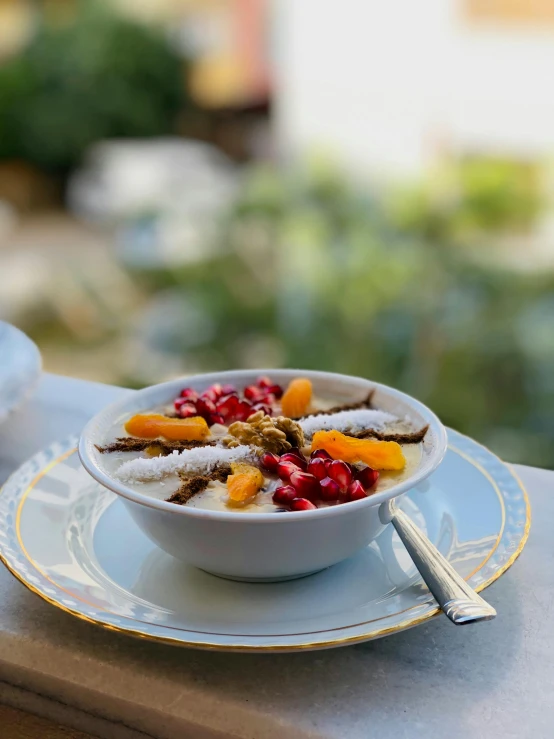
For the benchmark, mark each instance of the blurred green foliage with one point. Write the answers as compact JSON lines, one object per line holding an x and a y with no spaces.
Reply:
{"x":91,"y":77}
{"x":465,"y":199}
{"x":318,"y":274}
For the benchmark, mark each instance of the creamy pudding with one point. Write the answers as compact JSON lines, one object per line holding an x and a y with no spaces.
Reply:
{"x":262,"y":448}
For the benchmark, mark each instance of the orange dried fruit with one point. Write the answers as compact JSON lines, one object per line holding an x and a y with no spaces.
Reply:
{"x":152,"y":425}
{"x":244,"y":483}
{"x":238,"y":468}
{"x":380,"y":455}
{"x":297,"y":397}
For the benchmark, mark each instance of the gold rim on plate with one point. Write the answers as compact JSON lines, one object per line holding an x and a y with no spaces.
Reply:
{"x":385,"y":631}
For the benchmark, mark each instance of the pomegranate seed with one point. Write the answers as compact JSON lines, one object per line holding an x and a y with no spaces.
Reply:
{"x":228,"y":389}
{"x":307,"y":485}
{"x":298,"y":454}
{"x":286,"y":469}
{"x":189,"y":393}
{"x":215,"y":418}
{"x":264,"y":382}
{"x":320,"y":454}
{"x":270,"y":461}
{"x":317,"y":468}
{"x":251,"y":392}
{"x":213,"y":393}
{"x":367,"y":476}
{"x":341,"y":473}
{"x":187,"y":410}
{"x":301,"y":504}
{"x":243,"y":410}
{"x":356,"y":491}
{"x":296,"y":450}
{"x":284,"y":495}
{"x":329,"y":489}
{"x":205,"y":407}
{"x":275,"y":390}
{"x":295,"y":459}
{"x":178,"y":402}
{"x":269,"y":399}
{"x":228,"y":405}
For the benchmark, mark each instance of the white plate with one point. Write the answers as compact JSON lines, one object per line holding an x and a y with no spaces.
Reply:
{"x":20,"y":365}
{"x":72,"y":542}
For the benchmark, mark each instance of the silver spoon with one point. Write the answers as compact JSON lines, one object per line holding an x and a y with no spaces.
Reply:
{"x":457,"y":599}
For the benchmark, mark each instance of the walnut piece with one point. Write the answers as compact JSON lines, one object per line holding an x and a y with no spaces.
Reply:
{"x":292,"y":429}
{"x":275,"y":435}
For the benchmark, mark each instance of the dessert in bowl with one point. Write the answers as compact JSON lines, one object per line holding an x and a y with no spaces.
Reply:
{"x":262,"y":475}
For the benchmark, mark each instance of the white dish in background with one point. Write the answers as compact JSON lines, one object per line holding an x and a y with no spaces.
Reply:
{"x":20,"y":367}
{"x":72,"y":542}
{"x":260,"y":546}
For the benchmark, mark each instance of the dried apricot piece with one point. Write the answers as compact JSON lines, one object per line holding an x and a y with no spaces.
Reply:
{"x":238,"y":468}
{"x":152,"y":425}
{"x":380,"y":455}
{"x":297,"y":397}
{"x":244,"y":483}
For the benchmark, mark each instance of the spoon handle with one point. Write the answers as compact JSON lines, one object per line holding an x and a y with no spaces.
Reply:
{"x":457,"y":599}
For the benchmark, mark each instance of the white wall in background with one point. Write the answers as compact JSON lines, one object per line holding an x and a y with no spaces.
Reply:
{"x":390,"y":84}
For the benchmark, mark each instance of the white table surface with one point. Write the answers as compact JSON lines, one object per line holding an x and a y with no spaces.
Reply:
{"x":488,"y":681}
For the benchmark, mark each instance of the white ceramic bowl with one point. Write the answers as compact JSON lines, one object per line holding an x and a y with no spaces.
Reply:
{"x":19,"y":369}
{"x":261,"y":546}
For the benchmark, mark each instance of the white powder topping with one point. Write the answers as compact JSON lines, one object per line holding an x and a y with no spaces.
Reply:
{"x":359,"y":420}
{"x":201,"y":459}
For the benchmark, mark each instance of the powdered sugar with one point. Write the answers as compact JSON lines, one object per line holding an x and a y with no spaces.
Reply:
{"x":357,"y":420}
{"x":201,"y":459}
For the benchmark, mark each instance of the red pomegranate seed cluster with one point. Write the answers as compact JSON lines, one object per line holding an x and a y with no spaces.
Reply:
{"x":320,"y":479}
{"x":224,"y":404}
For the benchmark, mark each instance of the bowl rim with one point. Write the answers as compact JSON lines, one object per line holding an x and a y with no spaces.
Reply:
{"x":435,"y":458}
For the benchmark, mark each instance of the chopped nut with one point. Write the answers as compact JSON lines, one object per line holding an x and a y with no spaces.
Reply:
{"x":292,"y":430}
{"x":275,"y":435}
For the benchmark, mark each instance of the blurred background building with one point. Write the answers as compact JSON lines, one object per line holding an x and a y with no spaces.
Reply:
{"x":360,"y":187}
{"x":404,"y":84}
